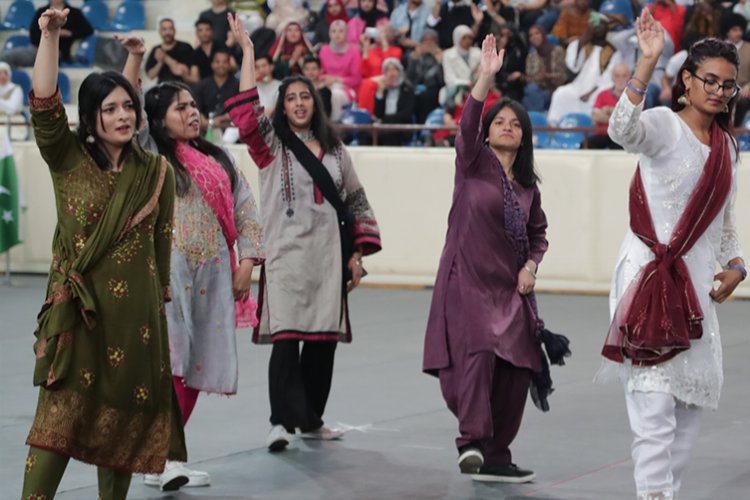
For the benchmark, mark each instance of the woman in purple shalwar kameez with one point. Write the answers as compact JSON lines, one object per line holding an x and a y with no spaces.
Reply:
{"x":480,"y":338}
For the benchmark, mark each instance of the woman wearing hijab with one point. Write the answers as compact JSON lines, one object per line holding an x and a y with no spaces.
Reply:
{"x":340,"y":61}
{"x":335,"y":11}
{"x":368,"y":16}
{"x":290,"y":51}
{"x":11,"y":95}
{"x":460,"y":61}
{"x":394,"y":102}
{"x":545,"y":70}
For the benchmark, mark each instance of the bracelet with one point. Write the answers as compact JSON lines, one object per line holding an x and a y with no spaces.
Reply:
{"x":528,"y":270}
{"x":635,"y":89}
{"x":639,"y":81}
{"x":739,"y":267}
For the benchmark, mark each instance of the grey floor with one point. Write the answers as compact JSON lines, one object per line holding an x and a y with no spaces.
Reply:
{"x":399,"y":443}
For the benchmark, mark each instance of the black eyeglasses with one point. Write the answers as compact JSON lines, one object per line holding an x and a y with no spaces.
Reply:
{"x":712,"y":86}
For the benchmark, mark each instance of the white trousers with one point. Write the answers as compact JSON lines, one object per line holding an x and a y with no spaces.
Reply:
{"x":664,"y":433}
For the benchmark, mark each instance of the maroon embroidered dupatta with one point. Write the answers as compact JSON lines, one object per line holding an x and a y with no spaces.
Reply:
{"x":660,"y":312}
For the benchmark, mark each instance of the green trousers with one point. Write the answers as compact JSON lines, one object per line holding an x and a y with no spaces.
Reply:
{"x":44,"y":471}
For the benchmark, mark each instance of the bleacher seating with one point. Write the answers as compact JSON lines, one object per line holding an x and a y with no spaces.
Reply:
{"x":570,"y":140}
{"x":129,"y":16}
{"x":19,"y":15}
{"x":16,"y":41}
{"x":744,"y":139}
{"x":97,"y":14}
{"x":63,"y":83}
{"x":21,"y":78}
{"x":84,"y":57}
{"x":434,"y":118}
{"x":540,"y":139}
{"x":356,"y":117}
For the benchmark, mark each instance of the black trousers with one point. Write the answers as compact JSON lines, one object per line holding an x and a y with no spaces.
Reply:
{"x":299,"y":383}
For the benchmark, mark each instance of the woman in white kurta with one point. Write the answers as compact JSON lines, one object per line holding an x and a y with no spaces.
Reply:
{"x":664,"y":400}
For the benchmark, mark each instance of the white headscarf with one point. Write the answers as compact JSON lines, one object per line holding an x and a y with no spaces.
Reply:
{"x":5,"y":89}
{"x":459,"y":32}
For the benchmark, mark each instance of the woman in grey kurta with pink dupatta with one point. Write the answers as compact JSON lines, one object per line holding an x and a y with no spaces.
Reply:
{"x":301,"y":292}
{"x":481,"y":334}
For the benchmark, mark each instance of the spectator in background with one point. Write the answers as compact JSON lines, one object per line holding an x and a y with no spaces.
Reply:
{"x":573,"y":22}
{"x":670,"y":74}
{"x":394,"y":102}
{"x":742,"y":7}
{"x":217,"y":14}
{"x":335,"y":11}
{"x":620,"y":13}
{"x":368,"y":16}
{"x":733,"y":27}
{"x":374,"y":52}
{"x":672,"y":17}
{"x":340,"y":62}
{"x":11,"y":95}
{"x":212,"y":91}
{"x":591,"y":59}
{"x":207,"y":46}
{"x":268,"y":87}
{"x":603,"y":106}
{"x":446,"y":16}
{"x":510,"y":80}
{"x":289,"y":51}
{"x":284,"y":12}
{"x":521,"y":13}
{"x":172,"y":59}
{"x":460,"y":62}
{"x":545,"y":70}
{"x":311,"y":71}
{"x":76,"y":27}
{"x":409,"y":20}
{"x":702,"y":23}
{"x":425,"y":72}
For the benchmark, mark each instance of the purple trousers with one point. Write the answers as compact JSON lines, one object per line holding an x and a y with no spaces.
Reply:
{"x":487,"y":395}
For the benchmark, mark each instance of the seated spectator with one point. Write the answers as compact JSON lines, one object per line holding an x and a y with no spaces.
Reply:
{"x":545,"y":70}
{"x":603,"y":106}
{"x":461,"y":61}
{"x":284,"y":12}
{"x":374,"y":52}
{"x":671,"y":16}
{"x":335,"y":96}
{"x":311,"y":71}
{"x":670,"y":74}
{"x":425,"y":72}
{"x":217,"y":15}
{"x":171,"y":60}
{"x":510,"y":80}
{"x":573,"y":22}
{"x":263,"y":38}
{"x":11,"y":95}
{"x":522,"y":14}
{"x":340,"y":62}
{"x":620,"y":13}
{"x":552,"y":14}
{"x":353,"y":5}
{"x":448,"y":15}
{"x":591,"y":59}
{"x":742,"y":7}
{"x":394,"y":102}
{"x":212,"y":91}
{"x":268,"y":87}
{"x":335,"y":11}
{"x":367,"y":17}
{"x":409,"y":20}
{"x":703,"y":22}
{"x":77,"y":27}
{"x":289,"y":51}
{"x":733,"y":27}
{"x":207,"y":46}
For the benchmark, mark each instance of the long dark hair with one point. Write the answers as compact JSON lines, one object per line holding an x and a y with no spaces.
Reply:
{"x":321,"y":126}
{"x":158,"y":100}
{"x":94,"y":89}
{"x":708,"y":48}
{"x":523,"y":169}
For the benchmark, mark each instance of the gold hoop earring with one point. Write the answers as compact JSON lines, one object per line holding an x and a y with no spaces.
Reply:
{"x":683,"y":100}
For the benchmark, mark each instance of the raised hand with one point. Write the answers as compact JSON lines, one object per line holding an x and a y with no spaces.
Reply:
{"x":240,"y":35}
{"x":650,"y":35}
{"x":492,"y":60}
{"x":52,"y":20}
{"x":133,"y":44}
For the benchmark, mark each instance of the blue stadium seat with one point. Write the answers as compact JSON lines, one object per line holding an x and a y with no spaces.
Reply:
{"x":84,"y":57}
{"x":570,"y":140}
{"x":540,"y":139}
{"x":19,"y":16}
{"x":435,"y":117}
{"x":130,"y":15}
{"x":97,"y":14}
{"x":17,"y":41}
{"x":356,"y":117}
{"x":744,"y":139}
{"x":22,"y":79}
{"x":63,"y":83}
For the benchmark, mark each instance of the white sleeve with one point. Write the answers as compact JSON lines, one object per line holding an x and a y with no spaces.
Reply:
{"x":574,"y":60}
{"x":675,"y":62}
{"x":653,"y":133}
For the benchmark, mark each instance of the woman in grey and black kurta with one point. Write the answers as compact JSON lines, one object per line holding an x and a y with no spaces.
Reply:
{"x":301,"y":296}
{"x":102,"y":356}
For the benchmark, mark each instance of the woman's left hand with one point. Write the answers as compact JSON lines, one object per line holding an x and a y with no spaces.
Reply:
{"x":526,"y":282}
{"x":241,"y":278}
{"x":728,"y":281}
{"x":356,"y":269}
{"x":133,"y":44}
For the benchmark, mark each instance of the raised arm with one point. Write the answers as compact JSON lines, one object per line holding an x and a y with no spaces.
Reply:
{"x":242,"y":37}
{"x":136,"y":49}
{"x":651,"y":44}
{"x":44,"y":80}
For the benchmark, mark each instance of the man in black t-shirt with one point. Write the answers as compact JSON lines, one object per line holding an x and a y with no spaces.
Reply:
{"x":217,"y":14}
{"x":207,"y":46}
{"x":172,"y":60}
{"x":212,"y":92}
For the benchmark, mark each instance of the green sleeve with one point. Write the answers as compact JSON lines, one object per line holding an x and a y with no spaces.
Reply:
{"x":53,"y":136}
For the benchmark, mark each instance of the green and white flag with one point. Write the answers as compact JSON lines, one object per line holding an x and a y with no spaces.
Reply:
{"x":9,"y":197}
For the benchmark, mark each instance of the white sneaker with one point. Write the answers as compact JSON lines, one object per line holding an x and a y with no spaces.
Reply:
{"x":196,"y":478}
{"x":278,"y":438}
{"x":323,"y":433}
{"x":175,"y":475}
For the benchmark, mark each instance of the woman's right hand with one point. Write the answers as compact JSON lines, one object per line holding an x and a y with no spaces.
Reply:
{"x":492,"y":60}
{"x":133,"y":44}
{"x":52,"y":20}
{"x":650,"y":35}
{"x":241,"y":36}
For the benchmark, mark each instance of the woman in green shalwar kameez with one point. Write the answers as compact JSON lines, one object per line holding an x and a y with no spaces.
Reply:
{"x":102,"y":357}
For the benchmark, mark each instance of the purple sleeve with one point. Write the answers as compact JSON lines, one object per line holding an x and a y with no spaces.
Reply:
{"x":469,"y":141}
{"x":536,"y":228}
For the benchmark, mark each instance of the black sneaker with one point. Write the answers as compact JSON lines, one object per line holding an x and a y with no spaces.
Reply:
{"x":470,"y":459}
{"x":509,"y":473}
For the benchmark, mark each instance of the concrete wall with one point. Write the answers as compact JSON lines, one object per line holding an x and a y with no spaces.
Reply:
{"x":584,"y":194}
